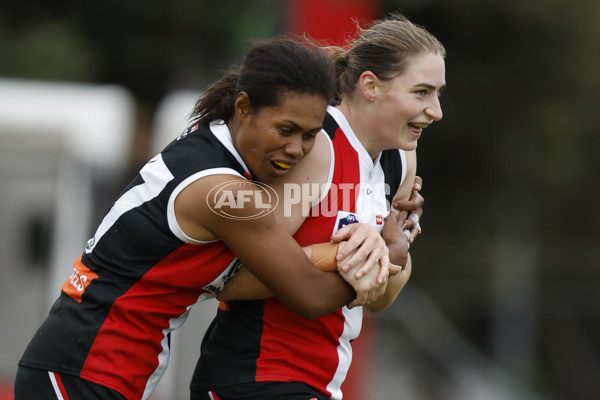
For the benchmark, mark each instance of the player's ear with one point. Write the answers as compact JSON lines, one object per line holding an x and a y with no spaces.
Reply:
{"x":242,"y":107}
{"x":368,"y":83}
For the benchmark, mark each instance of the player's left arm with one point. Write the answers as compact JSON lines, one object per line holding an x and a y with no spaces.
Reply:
{"x":406,"y":200}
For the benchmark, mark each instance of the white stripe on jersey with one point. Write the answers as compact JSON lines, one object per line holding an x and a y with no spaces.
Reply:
{"x":352,"y":325}
{"x":59,"y":395}
{"x":165,"y":354}
{"x":173,"y":224}
{"x":156,"y":175}
{"x":221,"y":132}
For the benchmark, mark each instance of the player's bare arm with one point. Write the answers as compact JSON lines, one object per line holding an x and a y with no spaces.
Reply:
{"x":311,"y":171}
{"x":406,"y":200}
{"x":287,"y":272}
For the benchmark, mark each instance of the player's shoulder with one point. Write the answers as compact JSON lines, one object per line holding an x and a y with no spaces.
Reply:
{"x":314,"y":166}
{"x":321,"y":153}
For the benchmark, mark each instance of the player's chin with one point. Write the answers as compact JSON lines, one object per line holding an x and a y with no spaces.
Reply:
{"x":270,"y":176}
{"x":407,"y":145}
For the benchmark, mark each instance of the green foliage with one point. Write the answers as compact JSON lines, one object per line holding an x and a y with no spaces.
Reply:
{"x":48,"y":50}
{"x":148,"y":47}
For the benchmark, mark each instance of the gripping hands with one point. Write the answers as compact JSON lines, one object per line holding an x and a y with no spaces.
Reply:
{"x":363,"y":261}
{"x":364,"y":258}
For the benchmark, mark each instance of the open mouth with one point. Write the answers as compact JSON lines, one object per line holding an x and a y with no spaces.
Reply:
{"x":416,"y":128}
{"x":281,"y":166}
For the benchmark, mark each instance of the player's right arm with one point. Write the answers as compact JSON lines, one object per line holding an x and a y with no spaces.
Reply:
{"x":263,"y":246}
{"x":245,"y":286}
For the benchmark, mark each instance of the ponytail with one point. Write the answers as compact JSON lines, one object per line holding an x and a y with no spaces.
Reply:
{"x":339,"y":58}
{"x":218,"y":101}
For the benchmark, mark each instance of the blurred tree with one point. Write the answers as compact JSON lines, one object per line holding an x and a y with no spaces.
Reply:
{"x":148,"y":47}
{"x":48,"y":50}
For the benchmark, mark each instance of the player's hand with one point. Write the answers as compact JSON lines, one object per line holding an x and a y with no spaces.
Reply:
{"x":367,"y":288}
{"x":364,"y":250}
{"x":397,"y":240}
{"x":414,"y":208}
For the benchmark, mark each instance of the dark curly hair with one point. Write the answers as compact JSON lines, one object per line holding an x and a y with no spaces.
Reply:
{"x":271,"y":68}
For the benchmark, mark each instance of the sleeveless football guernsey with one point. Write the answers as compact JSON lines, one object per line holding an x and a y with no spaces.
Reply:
{"x":139,"y":274}
{"x":260,"y":341}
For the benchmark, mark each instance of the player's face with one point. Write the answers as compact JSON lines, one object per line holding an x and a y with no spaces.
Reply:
{"x":274,"y":139}
{"x":410,"y":102}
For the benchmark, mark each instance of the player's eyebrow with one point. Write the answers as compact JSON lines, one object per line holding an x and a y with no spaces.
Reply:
{"x":299,"y":128}
{"x":430,"y":86}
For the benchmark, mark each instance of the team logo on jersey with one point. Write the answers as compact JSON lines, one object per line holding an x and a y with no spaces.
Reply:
{"x":79,"y":280}
{"x":242,"y":200}
{"x":345,"y":218}
{"x":188,"y":131}
{"x":379,"y":219}
{"x":89,"y":245}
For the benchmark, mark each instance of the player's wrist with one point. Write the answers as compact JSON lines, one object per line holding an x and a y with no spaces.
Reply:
{"x":323,"y":256}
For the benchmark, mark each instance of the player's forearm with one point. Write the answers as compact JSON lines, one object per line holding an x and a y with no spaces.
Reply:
{"x":245,"y":286}
{"x":394,"y":286}
{"x":398,"y":253}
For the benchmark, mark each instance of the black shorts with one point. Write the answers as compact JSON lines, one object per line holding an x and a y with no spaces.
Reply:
{"x":37,"y":384}
{"x":261,"y":391}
